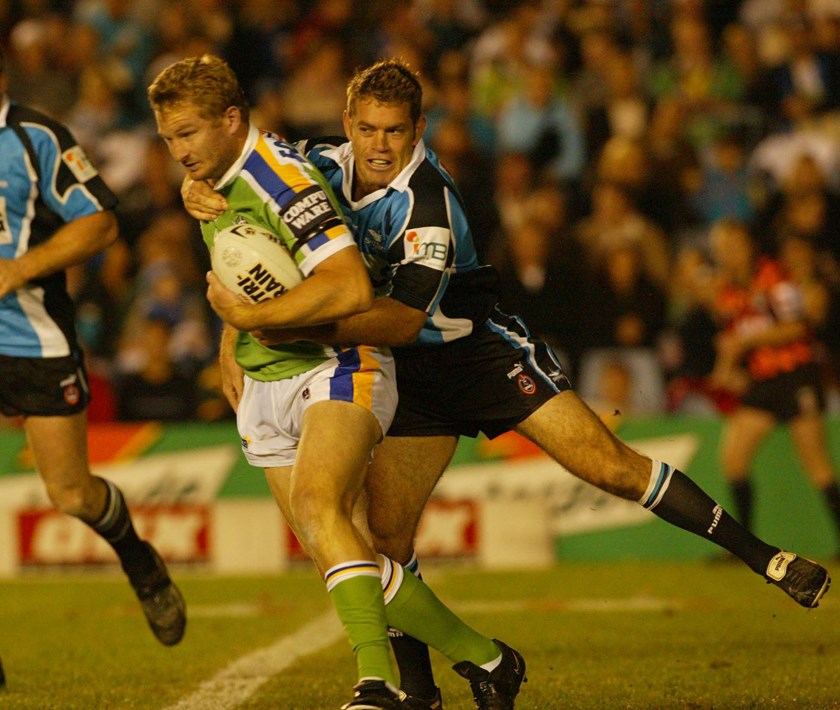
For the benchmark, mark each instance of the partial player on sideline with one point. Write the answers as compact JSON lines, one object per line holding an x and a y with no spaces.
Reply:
{"x":56,"y":211}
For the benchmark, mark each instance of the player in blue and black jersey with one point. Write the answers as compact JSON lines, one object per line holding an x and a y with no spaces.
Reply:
{"x":464,"y":366}
{"x":56,"y":211}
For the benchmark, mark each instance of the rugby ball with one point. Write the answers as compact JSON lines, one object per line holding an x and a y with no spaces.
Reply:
{"x":252,"y":261}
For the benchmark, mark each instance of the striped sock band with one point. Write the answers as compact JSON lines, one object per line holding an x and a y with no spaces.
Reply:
{"x":660,"y":479}
{"x":392,"y":577}
{"x":348,"y":570}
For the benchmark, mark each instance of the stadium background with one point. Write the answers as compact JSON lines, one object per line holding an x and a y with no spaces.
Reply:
{"x":651,"y":121}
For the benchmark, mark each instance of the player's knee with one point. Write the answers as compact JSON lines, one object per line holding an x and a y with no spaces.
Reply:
{"x":69,"y":499}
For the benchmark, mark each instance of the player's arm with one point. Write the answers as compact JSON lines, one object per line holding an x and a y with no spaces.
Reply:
{"x":388,"y":323}
{"x":73,"y":243}
{"x":337,"y":287}
{"x":233,"y":378}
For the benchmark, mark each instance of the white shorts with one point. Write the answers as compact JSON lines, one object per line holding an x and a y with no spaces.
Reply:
{"x":270,"y":414}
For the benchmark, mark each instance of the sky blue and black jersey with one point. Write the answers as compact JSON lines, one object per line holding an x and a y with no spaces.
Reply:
{"x":416,"y":240}
{"x":45,"y":181}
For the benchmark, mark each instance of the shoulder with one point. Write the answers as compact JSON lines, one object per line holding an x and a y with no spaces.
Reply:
{"x":38,"y":125}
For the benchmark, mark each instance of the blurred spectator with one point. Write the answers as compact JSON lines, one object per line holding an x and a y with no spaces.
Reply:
{"x":540,"y":272}
{"x":308,"y":112}
{"x":625,"y":111}
{"x":35,"y":78}
{"x":706,"y":84}
{"x":624,"y":307}
{"x":725,"y":185}
{"x":157,"y":388}
{"x":807,"y":83}
{"x":538,"y":122}
{"x":615,"y":222}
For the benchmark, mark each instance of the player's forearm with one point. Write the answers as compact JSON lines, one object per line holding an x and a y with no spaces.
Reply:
{"x":778,"y":334}
{"x":73,"y":243}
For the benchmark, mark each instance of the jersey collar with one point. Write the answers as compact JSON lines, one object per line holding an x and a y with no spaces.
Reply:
{"x":343,"y":155}
{"x":234,"y":170}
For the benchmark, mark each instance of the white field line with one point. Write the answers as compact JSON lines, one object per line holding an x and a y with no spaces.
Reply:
{"x":236,"y":683}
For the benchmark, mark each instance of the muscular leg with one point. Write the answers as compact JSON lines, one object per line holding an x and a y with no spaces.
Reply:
{"x":317,"y":496}
{"x":744,"y":432}
{"x":808,"y":432}
{"x":59,"y":445}
{"x":575,"y":437}
{"x":400,"y":480}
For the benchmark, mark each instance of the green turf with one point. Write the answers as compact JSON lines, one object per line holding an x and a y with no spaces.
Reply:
{"x":600,"y":636}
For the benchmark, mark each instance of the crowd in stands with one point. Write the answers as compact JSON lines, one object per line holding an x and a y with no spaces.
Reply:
{"x":595,"y":142}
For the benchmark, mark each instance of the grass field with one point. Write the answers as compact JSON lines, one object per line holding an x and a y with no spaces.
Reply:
{"x":599,"y":636}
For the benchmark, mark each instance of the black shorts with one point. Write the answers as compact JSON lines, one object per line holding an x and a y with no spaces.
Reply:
{"x":486,"y":382}
{"x":788,"y":395}
{"x":46,"y":387}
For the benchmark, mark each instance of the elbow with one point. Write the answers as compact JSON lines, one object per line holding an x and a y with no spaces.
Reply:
{"x":109,"y":229}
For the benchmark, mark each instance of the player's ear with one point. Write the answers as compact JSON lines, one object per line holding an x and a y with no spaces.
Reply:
{"x":419,"y":128}
{"x":345,"y":119}
{"x":233,"y":118}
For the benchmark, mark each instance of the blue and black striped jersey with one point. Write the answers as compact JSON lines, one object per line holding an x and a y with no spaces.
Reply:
{"x":415,"y":237}
{"x":45,"y":181}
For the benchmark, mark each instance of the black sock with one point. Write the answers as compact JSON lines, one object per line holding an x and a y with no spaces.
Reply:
{"x":742,"y":493}
{"x":675,"y":498}
{"x":832,"y":499}
{"x":412,"y":656}
{"x":115,"y":526}
{"x":414,"y":665}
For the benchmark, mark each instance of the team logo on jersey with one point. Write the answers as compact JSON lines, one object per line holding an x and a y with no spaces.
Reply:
{"x":75,"y":159}
{"x":71,"y":395}
{"x":427,"y":244}
{"x":5,"y":230}
{"x":526,"y":384}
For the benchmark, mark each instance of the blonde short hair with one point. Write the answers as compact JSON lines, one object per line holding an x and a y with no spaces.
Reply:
{"x":206,"y":82}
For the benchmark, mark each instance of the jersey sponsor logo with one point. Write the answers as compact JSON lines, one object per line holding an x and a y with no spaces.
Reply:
{"x":75,"y":159}
{"x":429,"y":244}
{"x":5,"y":231}
{"x":307,"y":211}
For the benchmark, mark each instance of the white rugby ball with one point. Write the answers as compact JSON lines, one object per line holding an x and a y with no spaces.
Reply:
{"x":253,"y":262}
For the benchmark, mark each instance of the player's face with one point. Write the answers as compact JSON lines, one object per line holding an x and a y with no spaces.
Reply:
{"x":206,"y":147}
{"x":383,"y":138}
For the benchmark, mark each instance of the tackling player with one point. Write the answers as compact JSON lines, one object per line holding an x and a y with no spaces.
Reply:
{"x":463,"y":365}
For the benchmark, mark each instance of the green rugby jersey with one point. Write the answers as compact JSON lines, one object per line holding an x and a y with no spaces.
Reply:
{"x":271,"y":184}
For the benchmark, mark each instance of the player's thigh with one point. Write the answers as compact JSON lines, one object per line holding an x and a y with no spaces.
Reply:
{"x":809,"y":438}
{"x":400,"y":479}
{"x":743,"y":432}
{"x":59,"y":446}
{"x":574,"y":436}
{"x":334,"y":450}
{"x":279,"y":480}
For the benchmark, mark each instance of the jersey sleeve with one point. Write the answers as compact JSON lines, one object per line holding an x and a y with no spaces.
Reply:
{"x":299,"y":204}
{"x":68,"y":182}
{"x":422,"y":253}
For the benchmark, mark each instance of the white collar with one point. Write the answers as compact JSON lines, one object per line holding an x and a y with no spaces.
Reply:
{"x":234,"y":170}
{"x":343,"y":155}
